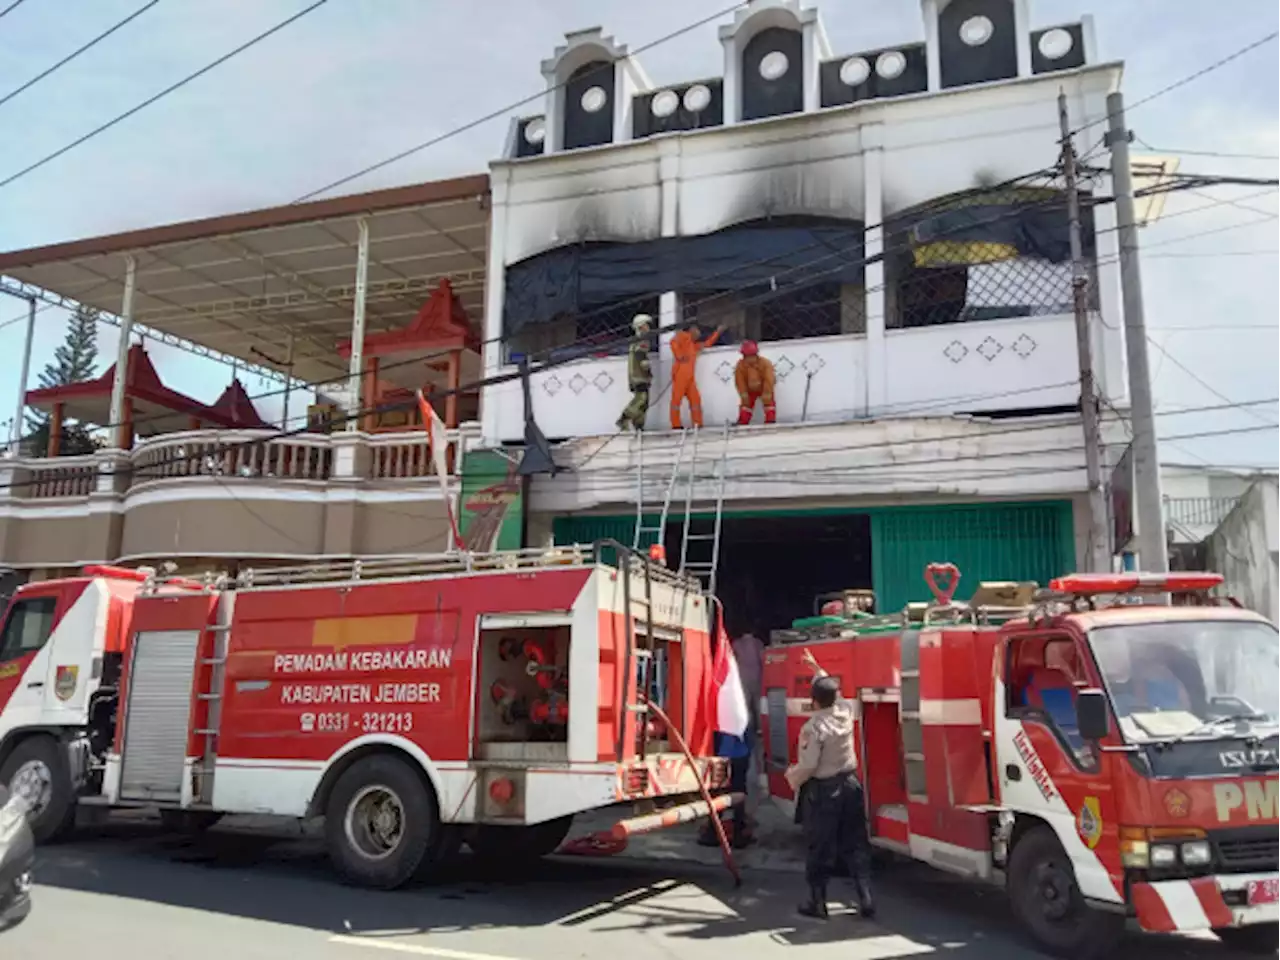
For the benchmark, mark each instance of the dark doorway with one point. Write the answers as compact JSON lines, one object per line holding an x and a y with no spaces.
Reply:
{"x":771,"y":568}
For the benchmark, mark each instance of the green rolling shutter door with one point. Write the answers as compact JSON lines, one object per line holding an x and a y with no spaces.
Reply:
{"x":1014,"y":541}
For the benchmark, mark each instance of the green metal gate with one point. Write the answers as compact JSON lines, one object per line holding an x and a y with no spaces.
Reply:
{"x":987,"y":541}
{"x":996,"y":541}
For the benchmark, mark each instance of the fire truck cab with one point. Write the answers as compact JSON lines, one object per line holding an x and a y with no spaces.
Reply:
{"x":414,"y":704}
{"x":1104,"y":755}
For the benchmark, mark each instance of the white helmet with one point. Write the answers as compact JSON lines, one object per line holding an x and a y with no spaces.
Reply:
{"x":642,"y":323}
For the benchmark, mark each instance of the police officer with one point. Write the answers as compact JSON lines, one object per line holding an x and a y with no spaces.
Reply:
{"x":829,"y":798}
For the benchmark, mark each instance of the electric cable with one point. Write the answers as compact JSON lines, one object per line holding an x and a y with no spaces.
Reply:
{"x":162,"y":94}
{"x":75,"y":53}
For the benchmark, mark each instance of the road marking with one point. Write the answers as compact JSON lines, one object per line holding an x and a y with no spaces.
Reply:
{"x":422,"y":951}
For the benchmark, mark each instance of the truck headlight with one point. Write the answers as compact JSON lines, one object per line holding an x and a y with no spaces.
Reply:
{"x":1196,"y":853}
{"x":1163,"y":855}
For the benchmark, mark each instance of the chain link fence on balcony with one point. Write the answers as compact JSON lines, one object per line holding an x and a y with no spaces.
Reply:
{"x":984,"y":255}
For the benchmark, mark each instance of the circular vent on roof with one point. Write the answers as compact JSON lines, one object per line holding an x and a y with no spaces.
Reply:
{"x":664,"y":103}
{"x":594,"y":99}
{"x":697,"y":98}
{"x":773,"y":66}
{"x":1055,"y":44}
{"x":855,"y":71}
{"x":535,"y":131}
{"x":890,"y":64}
{"x":976,"y":31}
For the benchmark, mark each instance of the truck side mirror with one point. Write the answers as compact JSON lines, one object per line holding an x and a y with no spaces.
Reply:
{"x":1091,"y":714}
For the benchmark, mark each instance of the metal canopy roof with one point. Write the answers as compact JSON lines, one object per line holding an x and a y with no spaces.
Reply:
{"x":241,"y":284}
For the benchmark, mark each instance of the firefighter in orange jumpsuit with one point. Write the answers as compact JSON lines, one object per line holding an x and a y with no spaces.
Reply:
{"x":685,"y":347}
{"x":754,"y":379}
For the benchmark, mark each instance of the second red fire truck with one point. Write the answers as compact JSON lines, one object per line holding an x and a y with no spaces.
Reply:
{"x":1103,"y":759}
{"x":413,"y":704}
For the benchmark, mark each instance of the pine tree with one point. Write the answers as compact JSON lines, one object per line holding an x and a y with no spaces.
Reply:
{"x":73,"y":362}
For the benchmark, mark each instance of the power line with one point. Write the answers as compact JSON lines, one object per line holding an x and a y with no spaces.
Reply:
{"x":502,"y":111}
{"x":71,"y":56}
{"x":11,"y":7}
{"x":782,"y":274}
{"x":941,"y":202}
{"x":163,"y":93}
{"x":1200,"y":380}
{"x":1216,"y":65}
{"x":1208,"y":153}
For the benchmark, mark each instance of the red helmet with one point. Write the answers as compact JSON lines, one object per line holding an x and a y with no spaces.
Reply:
{"x":749,"y":348}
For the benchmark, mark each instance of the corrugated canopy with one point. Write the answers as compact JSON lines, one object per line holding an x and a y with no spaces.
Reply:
{"x":241,"y":284}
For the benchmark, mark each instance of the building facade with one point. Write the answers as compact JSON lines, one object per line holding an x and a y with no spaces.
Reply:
{"x":886,"y":224}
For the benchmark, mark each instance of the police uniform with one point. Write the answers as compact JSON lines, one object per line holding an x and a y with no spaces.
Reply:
{"x":830,"y":806}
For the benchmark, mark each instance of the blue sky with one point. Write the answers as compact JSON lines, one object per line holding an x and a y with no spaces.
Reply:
{"x":359,"y":80}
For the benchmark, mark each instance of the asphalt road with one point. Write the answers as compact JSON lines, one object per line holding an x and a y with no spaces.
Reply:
{"x":131,"y":892}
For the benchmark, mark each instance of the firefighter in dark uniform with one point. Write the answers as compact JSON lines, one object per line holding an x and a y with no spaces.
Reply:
{"x":829,"y":798}
{"x":639,"y":374}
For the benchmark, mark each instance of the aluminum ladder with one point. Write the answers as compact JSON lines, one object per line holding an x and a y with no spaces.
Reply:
{"x":706,"y":567}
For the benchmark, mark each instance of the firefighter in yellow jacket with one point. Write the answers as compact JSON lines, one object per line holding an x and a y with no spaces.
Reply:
{"x":754,"y":379}
{"x":639,"y":374}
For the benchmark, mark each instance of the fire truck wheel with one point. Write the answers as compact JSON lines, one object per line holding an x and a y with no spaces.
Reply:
{"x":1260,"y":938}
{"x":1042,"y":887}
{"x":514,"y":845}
{"x":380,"y":822}
{"x":37,"y":769}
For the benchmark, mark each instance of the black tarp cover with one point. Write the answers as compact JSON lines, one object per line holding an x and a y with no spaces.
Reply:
{"x":570,"y":280}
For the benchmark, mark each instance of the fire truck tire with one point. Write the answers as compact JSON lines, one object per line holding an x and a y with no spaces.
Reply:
{"x":1042,"y":888}
{"x":1260,"y":938}
{"x":380,"y":823}
{"x":38,"y":767}
{"x":516,"y":845}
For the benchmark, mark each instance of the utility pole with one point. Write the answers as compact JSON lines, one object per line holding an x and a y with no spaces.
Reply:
{"x":1099,"y":550}
{"x":1153,"y":550}
{"x":15,"y":428}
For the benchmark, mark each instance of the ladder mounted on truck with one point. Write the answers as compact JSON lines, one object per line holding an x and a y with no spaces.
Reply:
{"x":689,"y":474}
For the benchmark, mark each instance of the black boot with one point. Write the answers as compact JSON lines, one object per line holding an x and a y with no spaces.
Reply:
{"x":816,"y":906}
{"x":866,"y":903}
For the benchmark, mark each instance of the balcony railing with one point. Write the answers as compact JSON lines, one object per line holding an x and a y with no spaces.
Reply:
{"x":1198,"y":512}
{"x":258,"y":456}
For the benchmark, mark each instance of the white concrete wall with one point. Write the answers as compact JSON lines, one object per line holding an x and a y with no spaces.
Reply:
{"x":948,"y":458}
{"x":865,"y":161}
{"x":1245,"y":548}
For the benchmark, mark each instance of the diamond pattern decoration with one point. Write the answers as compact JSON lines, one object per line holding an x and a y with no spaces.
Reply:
{"x":724,"y":371}
{"x":1024,"y":346}
{"x":603,"y":381}
{"x":955,"y":351}
{"x":989,"y":349}
{"x":812,"y":364}
{"x":578,"y":383}
{"x":783,"y":367}
{"x":552,"y":385}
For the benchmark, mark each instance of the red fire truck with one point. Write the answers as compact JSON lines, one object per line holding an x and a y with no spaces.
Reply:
{"x":411,"y":703}
{"x":1102,"y":755}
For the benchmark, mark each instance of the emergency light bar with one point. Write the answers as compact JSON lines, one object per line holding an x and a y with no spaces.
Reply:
{"x":1092,"y":584}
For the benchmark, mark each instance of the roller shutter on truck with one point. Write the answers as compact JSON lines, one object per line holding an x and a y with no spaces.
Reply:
{"x":158,"y":714}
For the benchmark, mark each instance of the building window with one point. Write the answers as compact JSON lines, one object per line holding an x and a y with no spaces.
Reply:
{"x":821,"y":310}
{"x":984,"y":256}
{"x":594,"y":332}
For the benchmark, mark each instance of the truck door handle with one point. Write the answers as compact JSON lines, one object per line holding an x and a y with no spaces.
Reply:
{"x":1012,"y":772}
{"x":37,"y":683}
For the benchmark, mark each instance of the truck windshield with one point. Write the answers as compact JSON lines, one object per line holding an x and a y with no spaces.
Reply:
{"x":1190,"y":678}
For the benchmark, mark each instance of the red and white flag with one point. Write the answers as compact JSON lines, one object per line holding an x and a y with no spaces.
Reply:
{"x":729,"y":701}
{"x":438,"y":444}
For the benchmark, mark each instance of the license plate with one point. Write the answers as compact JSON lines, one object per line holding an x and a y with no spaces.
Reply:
{"x":1263,"y":891}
